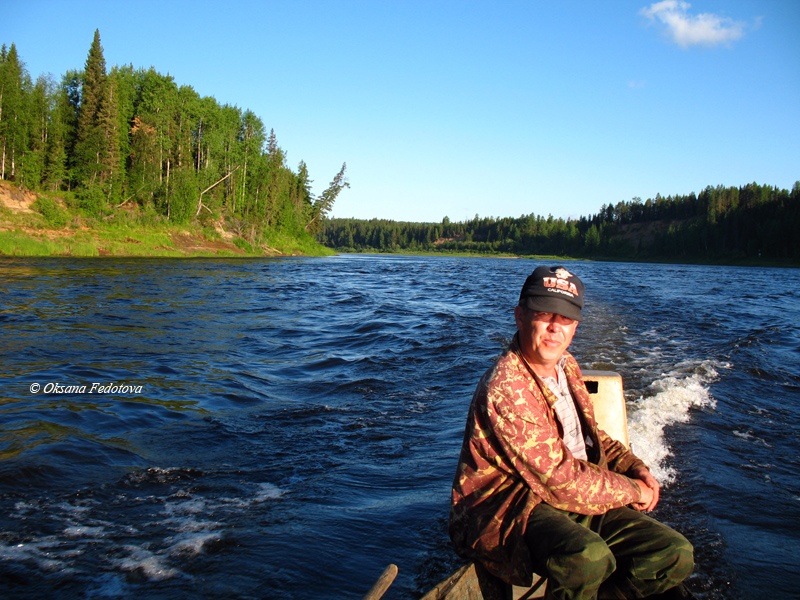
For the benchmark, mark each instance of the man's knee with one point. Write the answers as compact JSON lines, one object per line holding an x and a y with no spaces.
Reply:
{"x":581,"y":565}
{"x":599,"y":562}
{"x":683,"y":559}
{"x":668,"y":566}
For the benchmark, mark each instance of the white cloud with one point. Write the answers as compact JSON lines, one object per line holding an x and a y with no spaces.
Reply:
{"x":704,"y":29}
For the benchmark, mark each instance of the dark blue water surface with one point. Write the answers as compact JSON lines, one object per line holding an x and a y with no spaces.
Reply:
{"x":287,"y":428}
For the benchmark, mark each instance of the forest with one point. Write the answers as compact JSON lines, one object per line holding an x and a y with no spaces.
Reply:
{"x":132,"y":140}
{"x":751,"y":223}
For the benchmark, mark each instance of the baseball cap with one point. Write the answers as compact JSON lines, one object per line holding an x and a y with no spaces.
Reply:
{"x":553,"y":290}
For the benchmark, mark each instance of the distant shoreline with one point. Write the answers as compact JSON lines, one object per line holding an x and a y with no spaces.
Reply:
{"x":771,"y":264}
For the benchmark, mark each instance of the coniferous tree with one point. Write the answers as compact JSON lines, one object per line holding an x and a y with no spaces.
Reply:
{"x":38,"y":112}
{"x":12,"y":111}
{"x":89,"y":135}
{"x":275,"y":163}
{"x":323,"y":205}
{"x":69,"y":110}
{"x":304,"y":193}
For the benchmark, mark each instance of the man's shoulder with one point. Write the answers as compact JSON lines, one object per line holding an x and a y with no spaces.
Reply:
{"x":508,"y":376}
{"x":508,"y":365}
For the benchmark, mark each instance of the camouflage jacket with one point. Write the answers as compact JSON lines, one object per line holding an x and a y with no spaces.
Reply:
{"x":513,"y":458}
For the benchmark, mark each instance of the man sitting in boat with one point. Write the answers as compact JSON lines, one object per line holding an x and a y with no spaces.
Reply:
{"x":539,"y":488}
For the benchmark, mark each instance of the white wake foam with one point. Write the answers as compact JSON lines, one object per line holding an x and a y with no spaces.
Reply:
{"x":184,"y":524}
{"x":668,"y":400}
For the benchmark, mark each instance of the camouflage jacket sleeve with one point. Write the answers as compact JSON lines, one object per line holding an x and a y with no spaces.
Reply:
{"x":513,"y":458}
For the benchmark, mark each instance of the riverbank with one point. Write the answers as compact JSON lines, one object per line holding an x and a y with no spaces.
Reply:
{"x":553,"y":258}
{"x":42,"y":225}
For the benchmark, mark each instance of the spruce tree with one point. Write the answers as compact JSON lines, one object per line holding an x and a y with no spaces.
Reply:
{"x":275,"y":163}
{"x":304,"y":193}
{"x":90,"y":137}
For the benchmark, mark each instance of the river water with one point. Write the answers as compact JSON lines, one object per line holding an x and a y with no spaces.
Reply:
{"x":286,"y":428}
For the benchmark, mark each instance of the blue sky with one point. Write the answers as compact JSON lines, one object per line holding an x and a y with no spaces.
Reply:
{"x":492,"y":107}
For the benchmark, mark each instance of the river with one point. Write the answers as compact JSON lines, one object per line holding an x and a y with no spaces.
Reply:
{"x":286,"y":428}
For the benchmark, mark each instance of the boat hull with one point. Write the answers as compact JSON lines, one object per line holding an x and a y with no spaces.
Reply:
{"x":470,"y":582}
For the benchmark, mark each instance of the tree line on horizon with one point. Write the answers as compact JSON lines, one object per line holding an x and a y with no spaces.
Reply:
{"x":721,"y":223}
{"x":112,"y":140}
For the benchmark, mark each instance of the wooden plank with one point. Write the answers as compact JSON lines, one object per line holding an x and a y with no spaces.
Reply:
{"x":536,"y":589}
{"x":470,"y":582}
{"x":383,"y":583}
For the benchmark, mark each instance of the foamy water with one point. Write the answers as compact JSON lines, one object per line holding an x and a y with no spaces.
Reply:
{"x":670,"y":399}
{"x":176,"y":527}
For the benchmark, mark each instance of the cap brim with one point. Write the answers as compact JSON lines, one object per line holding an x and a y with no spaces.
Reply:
{"x":554,"y":304}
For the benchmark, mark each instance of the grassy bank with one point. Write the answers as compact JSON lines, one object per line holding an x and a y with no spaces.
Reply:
{"x":43,"y":226}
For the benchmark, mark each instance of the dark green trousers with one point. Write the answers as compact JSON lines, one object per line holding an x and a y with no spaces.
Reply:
{"x":634,"y":556}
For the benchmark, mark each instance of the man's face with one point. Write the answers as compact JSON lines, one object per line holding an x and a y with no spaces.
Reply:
{"x":544,"y":337}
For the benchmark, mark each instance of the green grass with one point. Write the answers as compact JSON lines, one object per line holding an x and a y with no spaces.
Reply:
{"x":78,"y":248}
{"x":19,"y":244}
{"x":141,"y":232}
{"x":304,"y":244}
{"x":157,"y":242}
{"x":129,"y":242}
{"x":124,"y":234}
